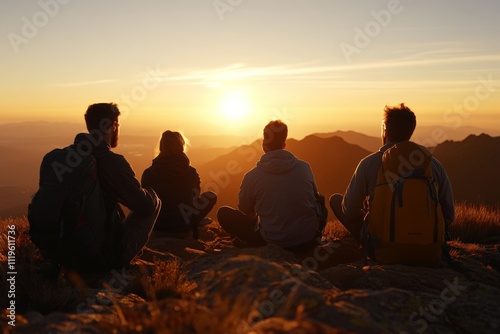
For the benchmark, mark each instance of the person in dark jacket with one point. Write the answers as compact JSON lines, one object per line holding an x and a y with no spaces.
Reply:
{"x":178,"y":186}
{"x":125,"y":235}
{"x":120,"y":186}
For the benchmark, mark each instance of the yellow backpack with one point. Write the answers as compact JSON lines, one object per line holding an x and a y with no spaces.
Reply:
{"x":406,"y":224}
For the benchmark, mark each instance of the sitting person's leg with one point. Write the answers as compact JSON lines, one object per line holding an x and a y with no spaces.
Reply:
{"x":322,"y":212}
{"x":136,"y":231}
{"x":204,"y":205}
{"x":237,"y":224}
{"x":352,"y":225}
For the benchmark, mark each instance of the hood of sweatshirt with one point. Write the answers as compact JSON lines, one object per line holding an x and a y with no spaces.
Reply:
{"x":277,"y":162}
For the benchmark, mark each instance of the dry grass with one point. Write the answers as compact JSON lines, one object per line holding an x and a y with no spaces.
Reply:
{"x":334,"y":230}
{"x":168,"y":280}
{"x":38,"y":286}
{"x":476,"y":223}
{"x":169,"y":288}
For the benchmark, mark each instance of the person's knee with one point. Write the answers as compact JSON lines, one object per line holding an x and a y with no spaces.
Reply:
{"x":223,"y":214}
{"x":155,"y":201}
{"x":211,"y":198}
{"x":334,"y":200}
{"x":158,"y":204}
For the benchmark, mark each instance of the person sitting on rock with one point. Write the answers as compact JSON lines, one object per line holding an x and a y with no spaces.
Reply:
{"x":351,"y":208}
{"x":178,"y":186}
{"x":279,"y":201}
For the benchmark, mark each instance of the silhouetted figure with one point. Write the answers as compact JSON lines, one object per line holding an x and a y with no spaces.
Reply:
{"x":75,"y":217}
{"x":352,"y":207}
{"x":178,"y":186}
{"x":278,"y":200}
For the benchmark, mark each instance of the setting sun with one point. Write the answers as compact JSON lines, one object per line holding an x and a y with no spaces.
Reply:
{"x":235,"y":105}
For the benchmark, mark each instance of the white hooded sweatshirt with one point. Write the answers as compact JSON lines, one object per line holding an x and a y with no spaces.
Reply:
{"x":281,"y":191}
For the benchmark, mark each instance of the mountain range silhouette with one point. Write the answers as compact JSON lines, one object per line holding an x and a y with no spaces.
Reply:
{"x":472,"y":163}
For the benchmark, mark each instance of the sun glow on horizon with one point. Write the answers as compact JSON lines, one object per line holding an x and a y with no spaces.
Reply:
{"x":235,"y":106}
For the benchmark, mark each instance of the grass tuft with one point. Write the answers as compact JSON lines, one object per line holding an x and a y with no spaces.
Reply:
{"x":476,"y":223}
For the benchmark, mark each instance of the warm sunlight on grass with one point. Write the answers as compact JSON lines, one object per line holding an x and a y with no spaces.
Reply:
{"x":476,"y":223}
{"x":167,"y":281}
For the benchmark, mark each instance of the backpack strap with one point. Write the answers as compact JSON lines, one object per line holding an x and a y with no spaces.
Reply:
{"x":431,"y":183}
{"x":396,"y":194}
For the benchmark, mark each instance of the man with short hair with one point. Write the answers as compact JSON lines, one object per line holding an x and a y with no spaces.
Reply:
{"x":279,"y":202}
{"x":124,"y":236}
{"x":350,"y":209}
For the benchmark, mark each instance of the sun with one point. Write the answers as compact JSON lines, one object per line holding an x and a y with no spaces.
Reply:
{"x":235,"y":106}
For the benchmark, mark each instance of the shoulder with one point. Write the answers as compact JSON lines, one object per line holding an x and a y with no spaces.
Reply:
{"x":111,"y":156}
{"x":192,"y":171}
{"x":303,"y":165}
{"x":147,"y":172}
{"x":112,"y":160}
{"x":374,"y":158}
{"x":251,"y":173}
{"x":437,"y":167}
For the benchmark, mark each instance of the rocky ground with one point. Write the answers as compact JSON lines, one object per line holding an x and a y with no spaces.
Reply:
{"x":228,"y":289}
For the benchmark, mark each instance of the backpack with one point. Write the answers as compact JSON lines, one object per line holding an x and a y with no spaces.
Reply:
{"x":67,"y":216}
{"x":405,"y":223}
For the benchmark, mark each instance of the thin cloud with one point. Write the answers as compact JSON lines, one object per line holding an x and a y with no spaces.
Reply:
{"x":84,"y":83}
{"x":307,"y":74}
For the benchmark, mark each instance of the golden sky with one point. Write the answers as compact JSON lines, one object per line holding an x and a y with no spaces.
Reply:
{"x":229,"y":66}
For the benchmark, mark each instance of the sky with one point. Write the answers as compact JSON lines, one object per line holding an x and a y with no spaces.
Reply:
{"x":230,"y":66}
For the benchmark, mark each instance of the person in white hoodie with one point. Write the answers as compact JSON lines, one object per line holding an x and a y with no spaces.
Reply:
{"x":279,"y":201}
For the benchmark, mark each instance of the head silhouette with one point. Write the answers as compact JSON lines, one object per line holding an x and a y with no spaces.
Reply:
{"x":172,"y":143}
{"x":103,"y":117}
{"x":275,"y":134}
{"x":399,"y":123}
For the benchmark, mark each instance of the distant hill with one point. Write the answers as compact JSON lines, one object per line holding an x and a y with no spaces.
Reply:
{"x":14,"y":201}
{"x":40,"y":129}
{"x":473,"y":166}
{"x":430,"y":136}
{"x":369,"y":143}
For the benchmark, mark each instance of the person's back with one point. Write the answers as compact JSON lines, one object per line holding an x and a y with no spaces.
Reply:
{"x":352,"y":207}
{"x":280,"y":189}
{"x":178,"y":186}
{"x":124,"y":237}
{"x":278,"y":200}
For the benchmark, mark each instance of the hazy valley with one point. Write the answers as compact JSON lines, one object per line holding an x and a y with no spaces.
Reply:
{"x":222,"y":161}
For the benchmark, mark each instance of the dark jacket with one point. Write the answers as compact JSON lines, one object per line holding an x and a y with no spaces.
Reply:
{"x":118,"y":185}
{"x":177,"y":184}
{"x":116,"y":178}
